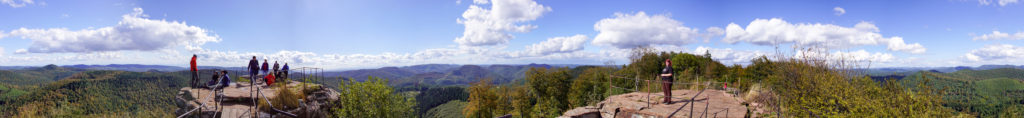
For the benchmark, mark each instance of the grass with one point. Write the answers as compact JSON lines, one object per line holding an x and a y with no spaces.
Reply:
{"x":286,"y":98}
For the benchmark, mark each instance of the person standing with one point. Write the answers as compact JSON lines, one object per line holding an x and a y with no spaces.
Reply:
{"x":276,"y":67}
{"x":265,"y":67}
{"x":284,"y":70}
{"x":666,"y":81}
{"x":195,"y":72}
{"x":254,"y":69}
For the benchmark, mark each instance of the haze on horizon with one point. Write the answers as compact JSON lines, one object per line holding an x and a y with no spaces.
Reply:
{"x":369,"y":34}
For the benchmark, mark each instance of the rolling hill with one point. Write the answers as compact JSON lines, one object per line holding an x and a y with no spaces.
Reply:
{"x":981,"y":92}
{"x":442,"y":74}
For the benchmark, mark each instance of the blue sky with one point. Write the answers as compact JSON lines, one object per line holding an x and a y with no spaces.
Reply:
{"x":351,"y":34}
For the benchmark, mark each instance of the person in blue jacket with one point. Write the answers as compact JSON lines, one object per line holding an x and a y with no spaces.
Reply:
{"x":284,"y":70}
{"x":225,"y":80}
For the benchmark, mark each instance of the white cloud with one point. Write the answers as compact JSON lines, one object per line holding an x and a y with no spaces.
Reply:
{"x":999,"y":52}
{"x":996,"y":35}
{"x":776,"y":31}
{"x":485,"y":27}
{"x":480,"y":2}
{"x":133,"y":32}
{"x":16,"y":4}
{"x":20,"y":51}
{"x":640,"y":29}
{"x":839,"y":11}
{"x":557,"y":45}
{"x":1000,"y":2}
{"x":2,"y":51}
{"x":728,"y":55}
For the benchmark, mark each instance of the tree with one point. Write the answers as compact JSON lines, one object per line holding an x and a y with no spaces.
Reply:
{"x":373,"y":98}
{"x":482,"y":100}
{"x":590,"y":87}
{"x":550,"y":88}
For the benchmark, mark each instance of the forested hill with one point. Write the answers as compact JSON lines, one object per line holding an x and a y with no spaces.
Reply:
{"x":99,"y":93}
{"x":982,"y":92}
{"x":35,"y":75}
{"x":443,"y":74}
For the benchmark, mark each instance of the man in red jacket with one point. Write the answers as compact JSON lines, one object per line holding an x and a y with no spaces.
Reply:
{"x":195,"y":71}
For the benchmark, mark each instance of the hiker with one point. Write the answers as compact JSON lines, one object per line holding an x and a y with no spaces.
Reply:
{"x":195,"y":72}
{"x":269,"y":78}
{"x":214,"y":80}
{"x":225,"y":80}
{"x":666,"y":81}
{"x":253,"y":69}
{"x":276,"y":67}
{"x":265,"y":68}
{"x":284,"y":70}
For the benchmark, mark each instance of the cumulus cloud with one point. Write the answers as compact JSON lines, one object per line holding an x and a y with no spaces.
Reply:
{"x":999,"y":2}
{"x":640,"y":29}
{"x":998,"y":52}
{"x":557,"y":45}
{"x":996,"y":35}
{"x":133,"y":32}
{"x":728,"y":55}
{"x":839,"y":11}
{"x":551,"y":46}
{"x":777,"y":31}
{"x":485,"y":27}
{"x":17,"y":3}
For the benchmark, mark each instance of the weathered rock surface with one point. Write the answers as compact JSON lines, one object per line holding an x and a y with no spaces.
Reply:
{"x":717,"y":103}
{"x":236,"y":101}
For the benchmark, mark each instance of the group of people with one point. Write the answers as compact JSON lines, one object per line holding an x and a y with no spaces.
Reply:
{"x":221,"y":79}
{"x":270,"y":75}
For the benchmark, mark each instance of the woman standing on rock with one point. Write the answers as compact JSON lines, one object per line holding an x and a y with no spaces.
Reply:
{"x":666,"y":81}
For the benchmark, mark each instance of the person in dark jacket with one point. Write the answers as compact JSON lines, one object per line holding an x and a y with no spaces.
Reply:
{"x":276,"y":67}
{"x":284,"y":70}
{"x":213,"y":80}
{"x":225,"y":80}
{"x":254,"y":69}
{"x":666,"y":81}
{"x":265,"y":67}
{"x":195,"y":72}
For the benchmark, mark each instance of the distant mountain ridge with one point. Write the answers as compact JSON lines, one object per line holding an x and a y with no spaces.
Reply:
{"x":443,"y":74}
{"x":909,"y":70}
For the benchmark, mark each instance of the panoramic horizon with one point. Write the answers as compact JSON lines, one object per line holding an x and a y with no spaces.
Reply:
{"x":512,"y":58}
{"x":342,"y":35}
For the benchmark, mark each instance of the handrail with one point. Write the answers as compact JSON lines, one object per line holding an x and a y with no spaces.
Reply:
{"x":200,"y":105}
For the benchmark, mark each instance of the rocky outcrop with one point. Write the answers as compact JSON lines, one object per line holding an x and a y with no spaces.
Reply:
{"x":685,"y":103}
{"x":236,"y":101}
